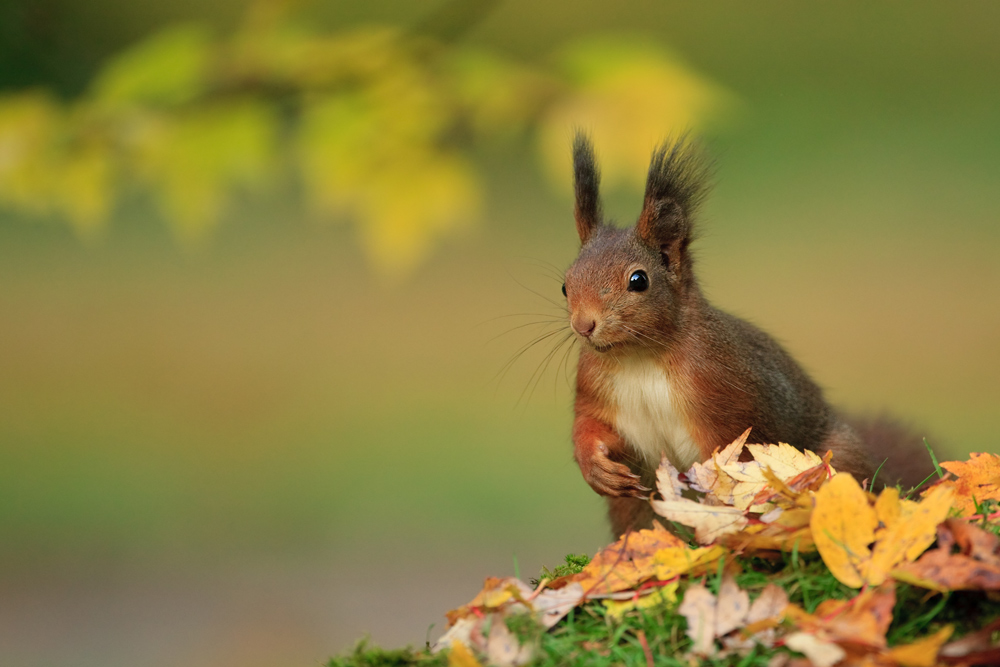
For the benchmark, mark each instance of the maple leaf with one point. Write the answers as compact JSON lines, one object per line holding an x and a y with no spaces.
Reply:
{"x":978,"y":480}
{"x":738,"y":483}
{"x":844,"y":523}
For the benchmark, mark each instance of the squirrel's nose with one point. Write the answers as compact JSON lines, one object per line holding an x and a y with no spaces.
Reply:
{"x":584,"y":325}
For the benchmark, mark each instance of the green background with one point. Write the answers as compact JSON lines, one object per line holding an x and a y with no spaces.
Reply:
{"x":254,"y":453}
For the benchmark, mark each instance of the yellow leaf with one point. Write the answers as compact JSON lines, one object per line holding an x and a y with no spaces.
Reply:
{"x":675,"y":561}
{"x":629,"y":96}
{"x":843,"y":525}
{"x":923,"y":652}
{"x":910,"y":534}
{"x":629,"y":561}
{"x":784,"y":460}
{"x":664,"y":595}
{"x":194,"y":162}
{"x":461,"y":656}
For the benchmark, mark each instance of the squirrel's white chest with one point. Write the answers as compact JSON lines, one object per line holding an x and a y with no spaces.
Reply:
{"x":647,"y":414}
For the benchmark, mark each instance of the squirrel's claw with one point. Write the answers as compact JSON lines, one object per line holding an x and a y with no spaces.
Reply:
{"x":610,"y":478}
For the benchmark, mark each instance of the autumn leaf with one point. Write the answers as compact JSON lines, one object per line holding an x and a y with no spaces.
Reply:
{"x":861,"y":542}
{"x":497,"y":593}
{"x":923,"y":652}
{"x":821,"y":653}
{"x":461,"y":656}
{"x":710,"y":522}
{"x":975,"y":567}
{"x":726,"y":480}
{"x":710,"y":617}
{"x":503,"y":648}
{"x":977,"y":648}
{"x":909,"y":528}
{"x":629,"y":561}
{"x":661,"y":595}
{"x":978,"y":480}
{"x":843,"y":525}
{"x":675,"y":561}
{"x":783,"y":530}
{"x":698,"y":609}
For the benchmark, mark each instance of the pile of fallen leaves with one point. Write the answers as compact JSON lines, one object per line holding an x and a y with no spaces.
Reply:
{"x":745,"y":509}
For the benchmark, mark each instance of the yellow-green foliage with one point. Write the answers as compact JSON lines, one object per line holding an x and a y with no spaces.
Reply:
{"x":377,"y":124}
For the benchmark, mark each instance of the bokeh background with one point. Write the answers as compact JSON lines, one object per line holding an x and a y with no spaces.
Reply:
{"x":263,"y":267}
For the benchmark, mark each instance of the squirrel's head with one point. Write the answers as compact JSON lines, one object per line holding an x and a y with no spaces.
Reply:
{"x":627,"y":288}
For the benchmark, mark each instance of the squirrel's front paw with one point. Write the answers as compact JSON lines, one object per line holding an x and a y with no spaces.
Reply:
{"x":610,"y":478}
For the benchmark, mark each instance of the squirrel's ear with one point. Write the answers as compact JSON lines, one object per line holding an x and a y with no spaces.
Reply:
{"x":587,"y":180}
{"x":676,"y":185}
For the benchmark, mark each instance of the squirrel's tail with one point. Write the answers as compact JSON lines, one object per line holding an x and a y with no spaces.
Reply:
{"x":907,"y":461}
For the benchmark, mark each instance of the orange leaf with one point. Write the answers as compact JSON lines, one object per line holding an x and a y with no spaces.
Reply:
{"x":628,"y":562}
{"x":978,"y":478}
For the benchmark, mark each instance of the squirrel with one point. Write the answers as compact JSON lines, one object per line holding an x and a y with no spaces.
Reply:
{"x":662,"y":372}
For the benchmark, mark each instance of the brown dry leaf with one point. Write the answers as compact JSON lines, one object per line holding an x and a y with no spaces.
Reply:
{"x":552,"y":604}
{"x":843,"y":525}
{"x":794,"y":491}
{"x":704,"y":476}
{"x":628,"y":562}
{"x":710,"y":522}
{"x":698,"y":609}
{"x":728,"y":481}
{"x":908,"y":529}
{"x":668,"y":480}
{"x":710,"y":617}
{"x":977,"y":648}
{"x":732,"y":607}
{"x":784,"y":531}
{"x":978,"y":478}
{"x":860,"y":622}
{"x":762,"y":619}
{"x":821,"y":653}
{"x":503,"y":649}
{"x":976,"y":567}
{"x":921,"y":653}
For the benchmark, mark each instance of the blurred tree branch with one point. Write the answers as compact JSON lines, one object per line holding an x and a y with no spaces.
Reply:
{"x":378,"y":124}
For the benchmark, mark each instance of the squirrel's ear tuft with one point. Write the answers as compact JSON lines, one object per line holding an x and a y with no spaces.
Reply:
{"x":587,"y":179}
{"x":677,"y":183}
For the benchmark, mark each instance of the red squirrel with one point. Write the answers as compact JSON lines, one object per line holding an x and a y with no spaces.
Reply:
{"x":664,"y":373}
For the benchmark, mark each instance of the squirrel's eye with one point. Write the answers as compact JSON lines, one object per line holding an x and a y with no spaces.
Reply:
{"x":638,"y":282}
{"x":564,"y":289}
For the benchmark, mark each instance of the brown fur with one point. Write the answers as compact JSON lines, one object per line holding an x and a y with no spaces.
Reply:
{"x":724,"y":374}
